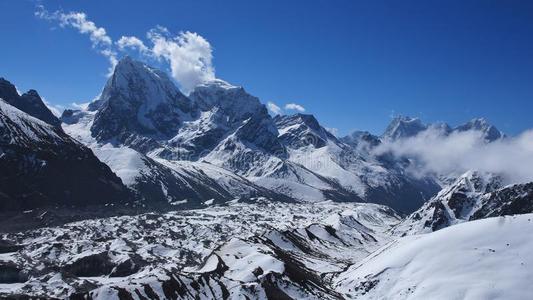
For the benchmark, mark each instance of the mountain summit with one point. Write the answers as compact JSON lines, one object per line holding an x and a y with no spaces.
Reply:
{"x":29,"y":102}
{"x":403,"y":127}
{"x":489,"y":131}
{"x":139,"y":100}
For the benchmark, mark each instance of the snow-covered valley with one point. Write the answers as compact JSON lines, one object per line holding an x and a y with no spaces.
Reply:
{"x":269,"y":250}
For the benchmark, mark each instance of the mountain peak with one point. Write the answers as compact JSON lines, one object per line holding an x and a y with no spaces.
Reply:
{"x":8,"y":91}
{"x":403,"y":127}
{"x":490,"y":132}
{"x":230,"y":100}
{"x":300,"y":130}
{"x":139,"y":99}
{"x":29,"y":102}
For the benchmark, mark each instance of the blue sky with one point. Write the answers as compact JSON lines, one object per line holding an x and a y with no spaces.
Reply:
{"x":351,"y":63}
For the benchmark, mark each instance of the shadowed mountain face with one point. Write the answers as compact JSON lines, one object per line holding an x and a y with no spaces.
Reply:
{"x":139,"y":106}
{"x":29,"y":102}
{"x":44,"y":167}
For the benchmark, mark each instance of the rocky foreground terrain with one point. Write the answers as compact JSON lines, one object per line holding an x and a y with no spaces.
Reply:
{"x":267,"y":250}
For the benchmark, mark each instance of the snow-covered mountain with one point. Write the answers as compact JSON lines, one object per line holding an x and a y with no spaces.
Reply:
{"x":138,"y":107}
{"x":489,"y":131}
{"x":405,"y":127}
{"x":44,"y":167}
{"x":222,"y":138}
{"x":474,"y":195}
{"x":352,"y":166}
{"x":158,"y":182}
{"x":484,"y":259}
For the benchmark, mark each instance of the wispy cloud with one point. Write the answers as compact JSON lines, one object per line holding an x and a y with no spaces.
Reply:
{"x":79,"y":20}
{"x":459,"y":152}
{"x":294,"y":106}
{"x":132,"y":42}
{"x":189,"y":55}
{"x":273,"y":108}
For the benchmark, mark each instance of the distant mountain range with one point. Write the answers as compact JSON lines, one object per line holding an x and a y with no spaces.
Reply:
{"x":219,"y":143}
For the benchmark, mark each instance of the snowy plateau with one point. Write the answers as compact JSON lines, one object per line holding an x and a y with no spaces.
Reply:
{"x":148,"y":193}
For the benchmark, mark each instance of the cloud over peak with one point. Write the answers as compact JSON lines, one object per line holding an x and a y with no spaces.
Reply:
{"x":188,"y":54}
{"x":294,"y":106}
{"x":273,"y":108}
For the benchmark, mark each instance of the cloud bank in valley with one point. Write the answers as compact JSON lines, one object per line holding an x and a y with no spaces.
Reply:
{"x":433,"y":152}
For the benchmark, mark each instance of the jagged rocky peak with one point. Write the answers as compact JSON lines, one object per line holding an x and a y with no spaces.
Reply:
{"x":139,"y":100}
{"x":8,"y":91}
{"x":489,"y":131}
{"x":301,"y":130}
{"x":29,"y":102}
{"x":455,"y":203}
{"x":478,"y":182}
{"x":403,"y":127}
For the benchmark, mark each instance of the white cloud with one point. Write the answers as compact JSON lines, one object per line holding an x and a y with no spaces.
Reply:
{"x":189,"y":55}
{"x":132,"y":42}
{"x":273,"y":108}
{"x":78,"y":20}
{"x":80,"y":106}
{"x":112,"y":58}
{"x":459,"y":152}
{"x":294,"y":106}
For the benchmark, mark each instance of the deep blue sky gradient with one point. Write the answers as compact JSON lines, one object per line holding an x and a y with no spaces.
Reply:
{"x":351,"y":63}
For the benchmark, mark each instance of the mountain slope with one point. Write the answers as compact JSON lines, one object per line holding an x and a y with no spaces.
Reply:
{"x":165,"y":183}
{"x":48,"y":168}
{"x":456,"y":262}
{"x":352,"y":167}
{"x":472,"y":196}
